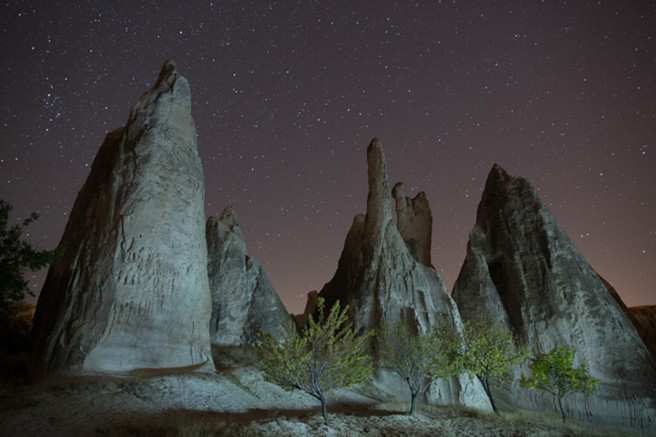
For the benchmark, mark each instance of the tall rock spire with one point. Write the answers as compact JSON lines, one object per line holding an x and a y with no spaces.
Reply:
{"x":523,"y":271}
{"x":383,"y":283}
{"x":131,"y":289}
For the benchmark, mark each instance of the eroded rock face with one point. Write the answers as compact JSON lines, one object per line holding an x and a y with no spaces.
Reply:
{"x":131,"y":290}
{"x":310,"y":306}
{"x":523,"y":271}
{"x":382,"y":282}
{"x":243,"y":299}
{"x":415,"y":223}
{"x":644,"y":319}
{"x":377,"y":274}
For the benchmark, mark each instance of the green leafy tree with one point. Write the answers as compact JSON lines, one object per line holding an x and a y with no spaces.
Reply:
{"x":418,"y":358}
{"x":555,"y":373}
{"x":16,"y":255}
{"x":324,"y":356}
{"x":488,"y":351}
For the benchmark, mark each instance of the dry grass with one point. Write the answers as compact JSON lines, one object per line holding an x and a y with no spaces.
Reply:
{"x":237,"y":402}
{"x":385,"y":419}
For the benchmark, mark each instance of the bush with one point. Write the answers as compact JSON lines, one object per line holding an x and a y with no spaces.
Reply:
{"x":17,"y":255}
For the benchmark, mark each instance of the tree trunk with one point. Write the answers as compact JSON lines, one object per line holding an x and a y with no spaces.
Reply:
{"x":560,"y":405}
{"x":488,"y":392}
{"x":324,"y":410}
{"x":413,"y":401}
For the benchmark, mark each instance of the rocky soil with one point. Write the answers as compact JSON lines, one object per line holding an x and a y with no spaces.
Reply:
{"x":236,"y":401}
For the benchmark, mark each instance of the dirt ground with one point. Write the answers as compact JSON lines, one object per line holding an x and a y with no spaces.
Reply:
{"x":236,"y":401}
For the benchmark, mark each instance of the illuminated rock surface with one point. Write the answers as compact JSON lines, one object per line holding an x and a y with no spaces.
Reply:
{"x":243,"y":299}
{"x":523,"y":271}
{"x":131,"y":290}
{"x":382,"y":281}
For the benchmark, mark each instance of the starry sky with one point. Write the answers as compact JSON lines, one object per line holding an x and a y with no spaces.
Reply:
{"x":288,"y":94}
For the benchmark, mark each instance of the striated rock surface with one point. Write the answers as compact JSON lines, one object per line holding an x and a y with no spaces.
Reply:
{"x":644,"y":319}
{"x":382,"y":282}
{"x":131,"y":289}
{"x":522,"y":270}
{"x":415,"y":223}
{"x":243,"y":299}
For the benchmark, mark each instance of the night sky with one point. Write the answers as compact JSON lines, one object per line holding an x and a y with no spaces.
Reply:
{"x":287,"y":95}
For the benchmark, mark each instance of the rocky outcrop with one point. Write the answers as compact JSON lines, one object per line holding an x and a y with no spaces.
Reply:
{"x":523,"y":271}
{"x":131,"y":289}
{"x":381,"y":280}
{"x":415,"y":223}
{"x":644,"y":319}
{"x":310,"y":306}
{"x":377,"y":276}
{"x":243,"y":299}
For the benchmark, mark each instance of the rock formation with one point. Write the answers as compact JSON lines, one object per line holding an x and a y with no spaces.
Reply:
{"x":523,"y":271}
{"x":131,"y":289}
{"x":310,"y":306}
{"x":243,"y":299}
{"x":644,"y":319}
{"x":383,"y":281}
{"x":415,"y":223}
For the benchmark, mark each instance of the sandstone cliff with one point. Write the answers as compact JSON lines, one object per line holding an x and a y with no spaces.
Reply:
{"x":523,"y":271}
{"x":243,"y":299}
{"x":131,"y":289}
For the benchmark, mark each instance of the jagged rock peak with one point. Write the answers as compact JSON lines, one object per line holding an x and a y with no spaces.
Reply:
{"x":379,"y":212}
{"x":497,"y":178}
{"x":383,"y":283}
{"x":243,"y":299}
{"x":522,"y":270}
{"x":415,"y":223}
{"x":131,"y":289}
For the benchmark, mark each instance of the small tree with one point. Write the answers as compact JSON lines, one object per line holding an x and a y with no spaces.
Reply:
{"x":15,"y":256}
{"x":419,"y":358}
{"x":326,"y":355}
{"x":555,"y":373}
{"x":488,"y":351}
